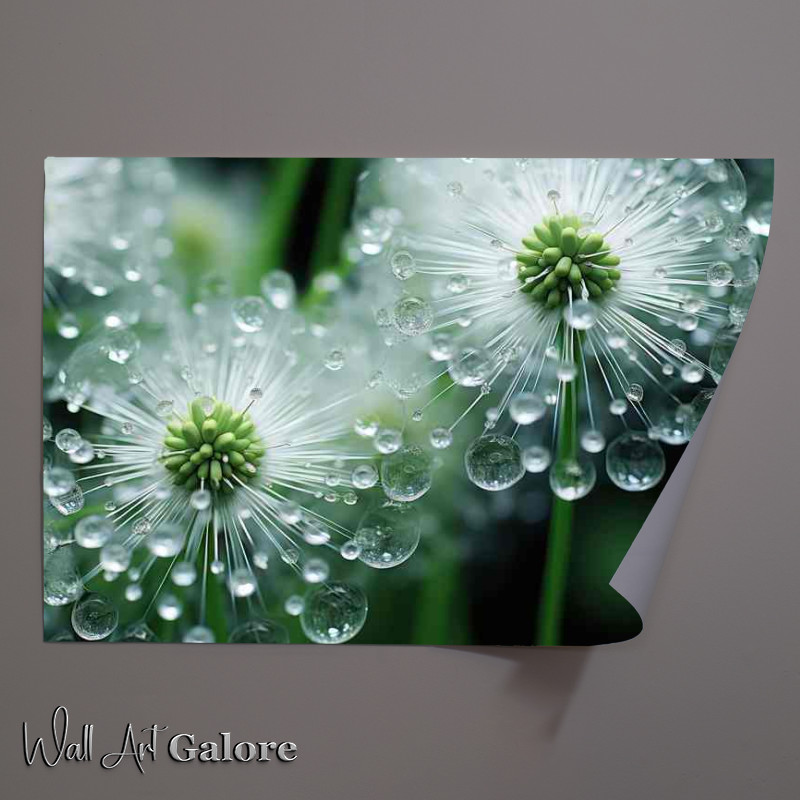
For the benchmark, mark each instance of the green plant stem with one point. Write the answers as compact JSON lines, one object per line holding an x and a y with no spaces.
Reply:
{"x":334,"y":216}
{"x":559,"y":539}
{"x":284,"y":189}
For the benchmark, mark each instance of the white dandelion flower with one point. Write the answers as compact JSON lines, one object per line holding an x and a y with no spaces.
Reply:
{"x":582,"y":301}
{"x":225,"y":452}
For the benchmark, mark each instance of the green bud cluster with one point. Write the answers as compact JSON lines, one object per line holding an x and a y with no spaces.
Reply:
{"x":570,"y":259}
{"x":212,"y":447}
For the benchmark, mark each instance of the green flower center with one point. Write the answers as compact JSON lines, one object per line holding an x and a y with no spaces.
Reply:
{"x":557,"y":259}
{"x":213,"y":446}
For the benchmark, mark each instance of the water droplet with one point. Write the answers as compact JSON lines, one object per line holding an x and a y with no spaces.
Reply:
{"x":250,"y":314}
{"x":388,"y":535}
{"x":441,"y":438}
{"x":68,"y":502}
{"x":278,"y":287}
{"x":442,"y":347}
{"x":407,"y":474}
{"x":127,"y":428}
{"x":93,"y":531}
{"x":458,"y":284}
{"x":259,"y":631}
{"x":470,"y":367}
{"x":364,"y":476}
{"x":634,"y":462}
{"x":403,"y":265}
{"x":494,"y":462}
{"x":169,"y":607}
{"x":62,"y":581}
{"x":593,"y":441}
{"x":388,"y":440}
{"x":84,"y":454}
{"x":164,"y":408}
{"x":133,"y":592}
{"x":57,"y":481}
{"x":412,"y":315}
{"x":566,"y":371}
{"x":350,"y":550}
{"x":634,"y":393}
{"x":536,"y":458}
{"x":94,"y":617}
{"x":455,"y":189}
{"x":121,"y":345}
{"x":581,"y":315}
{"x":315,"y":570}
{"x":115,"y":558}
{"x":334,"y":613}
{"x":294,"y":605}
{"x":142,"y":526}
{"x":526,"y":408}
{"x":334,"y":360}
{"x":68,"y":326}
{"x":617,"y":407}
{"x":290,"y":512}
{"x":242,"y":582}
{"x":261,"y":559}
{"x":184,"y":573}
{"x":200,"y":499}
{"x":571,"y":479}
{"x":554,"y":196}
{"x":692,"y":372}
{"x":199,"y":634}
{"x":68,"y":440}
{"x":720,"y":274}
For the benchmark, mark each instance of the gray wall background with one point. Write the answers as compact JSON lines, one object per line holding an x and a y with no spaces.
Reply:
{"x":706,"y":701}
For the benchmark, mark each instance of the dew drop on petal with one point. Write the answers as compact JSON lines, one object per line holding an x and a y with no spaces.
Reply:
{"x":315,"y":570}
{"x":115,"y":557}
{"x":494,"y":462}
{"x":593,"y":441}
{"x":581,"y":315}
{"x":69,"y":502}
{"x":164,"y":408}
{"x":93,"y":531}
{"x":68,"y":440}
{"x":536,"y":458}
{"x":334,"y":613}
{"x":334,"y":360}
{"x":184,"y":573}
{"x":199,"y":634}
{"x":294,"y":605}
{"x":200,"y":499}
{"x":407,"y":474}
{"x":470,"y":367}
{"x":403,"y":265}
{"x":350,"y":550}
{"x":388,"y":535}
{"x":692,"y":372}
{"x":571,"y":479}
{"x":441,"y":438}
{"x":68,"y":326}
{"x":364,"y":476}
{"x":388,"y":440}
{"x":634,"y":462}
{"x":250,"y":314}
{"x":242,"y":582}
{"x":57,"y":481}
{"x":259,"y":631}
{"x":413,"y":315}
{"x":94,"y":617}
{"x":133,"y":592}
{"x":720,"y":273}
{"x":634,"y":393}
{"x":526,"y":408}
{"x":169,"y":607}
{"x":279,"y":288}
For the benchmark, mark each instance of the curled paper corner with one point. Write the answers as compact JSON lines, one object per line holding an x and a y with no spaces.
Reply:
{"x":637,"y":574}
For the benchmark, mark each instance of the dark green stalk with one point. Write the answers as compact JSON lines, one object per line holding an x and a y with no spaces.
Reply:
{"x":559,"y":540}
{"x":335,"y":215}
{"x":283,"y":192}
